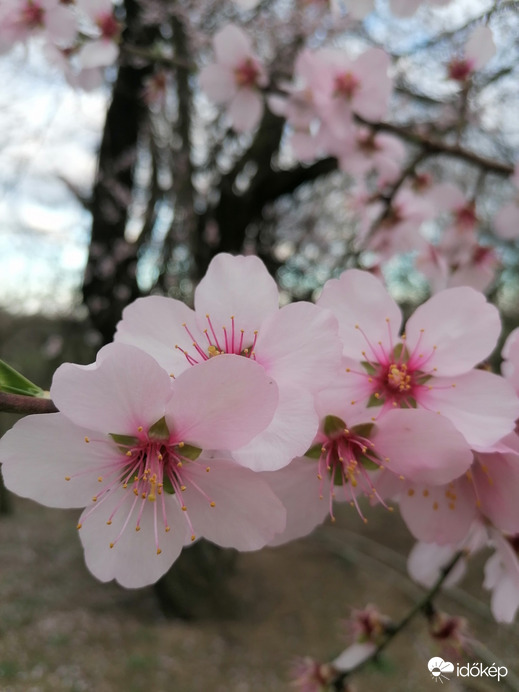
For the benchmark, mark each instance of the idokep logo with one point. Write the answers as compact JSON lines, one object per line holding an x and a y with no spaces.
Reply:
{"x":439,"y":667}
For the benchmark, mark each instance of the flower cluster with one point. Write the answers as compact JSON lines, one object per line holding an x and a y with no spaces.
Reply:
{"x":244,"y":423}
{"x":81,"y":36}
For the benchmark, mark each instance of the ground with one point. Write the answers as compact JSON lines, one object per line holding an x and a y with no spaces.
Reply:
{"x":63,"y":631}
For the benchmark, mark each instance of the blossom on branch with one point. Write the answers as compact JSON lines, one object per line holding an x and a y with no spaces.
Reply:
{"x":236,"y":79}
{"x":136,"y":449}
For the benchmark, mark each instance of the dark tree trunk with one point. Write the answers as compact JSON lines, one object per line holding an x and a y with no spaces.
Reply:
{"x":110,"y":278}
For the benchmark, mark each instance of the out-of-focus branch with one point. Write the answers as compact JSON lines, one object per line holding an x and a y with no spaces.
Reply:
{"x":424,"y":605}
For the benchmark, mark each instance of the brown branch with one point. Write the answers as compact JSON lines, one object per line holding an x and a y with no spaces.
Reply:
{"x":18,"y":403}
{"x":422,"y":606}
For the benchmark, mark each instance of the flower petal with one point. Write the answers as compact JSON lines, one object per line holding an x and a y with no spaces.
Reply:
{"x":125,"y":389}
{"x":41,"y":451}
{"x":222,"y":403}
{"x":359,"y":298}
{"x":246,"y":513}
{"x":422,"y":446}
{"x":238,"y":286}
{"x":297,"y":487}
{"x":459,"y":325}
{"x":433,"y":517}
{"x":155,"y":325}
{"x":299,"y":346}
{"x":289,"y":434}
{"x":481,"y":405}
{"x":133,"y":561}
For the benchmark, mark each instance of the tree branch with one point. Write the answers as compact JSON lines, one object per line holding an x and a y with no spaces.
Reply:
{"x":18,"y":403}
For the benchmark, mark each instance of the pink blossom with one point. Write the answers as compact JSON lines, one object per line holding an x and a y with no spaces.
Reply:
{"x":20,"y":19}
{"x":350,"y":445}
{"x":360,"y":86}
{"x":133,"y":447}
{"x":236,"y":312}
{"x":103,"y":49}
{"x":236,"y":79}
{"x":479,"y":49}
{"x":432,"y":365}
{"x":373,"y":151}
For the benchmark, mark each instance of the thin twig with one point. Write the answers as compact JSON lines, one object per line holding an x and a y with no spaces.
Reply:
{"x":423,"y":605}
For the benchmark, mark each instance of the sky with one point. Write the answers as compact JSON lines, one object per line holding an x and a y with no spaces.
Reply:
{"x":48,"y":133}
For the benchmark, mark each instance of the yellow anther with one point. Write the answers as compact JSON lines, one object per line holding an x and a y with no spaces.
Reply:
{"x":79,"y":526}
{"x":167,"y":529}
{"x":410,"y":492}
{"x":109,"y":522}
{"x":212,"y":504}
{"x":425,"y":493}
{"x":183,"y":508}
{"x":140,"y":428}
{"x":94,"y":499}
{"x":180,"y":464}
{"x":112,"y":545}
{"x":128,"y":453}
{"x":207,"y":468}
{"x":160,"y":457}
{"x":67,"y":478}
{"x":435,"y":506}
{"x":193,"y":537}
{"x":319,"y":477}
{"x":159,"y":551}
{"x":137,"y":528}
{"x":87,"y":439}
{"x":181,"y":444}
{"x":182,"y":487}
{"x":172,"y":375}
{"x":100,"y":479}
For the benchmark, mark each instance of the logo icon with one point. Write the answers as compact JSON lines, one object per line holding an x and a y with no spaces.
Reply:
{"x":439,"y":667}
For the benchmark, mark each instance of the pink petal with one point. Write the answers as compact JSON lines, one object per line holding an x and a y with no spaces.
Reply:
{"x":496,"y":478}
{"x":480,"y":46}
{"x":510,"y":353}
{"x":481,"y":405}
{"x":222,"y":403}
{"x":97,"y":54}
{"x":133,"y":561}
{"x":459,"y":325}
{"x":506,"y":222}
{"x":155,"y":325}
{"x":359,"y":298}
{"x":246,"y":513}
{"x":40,"y":451}
{"x":246,"y":109}
{"x":299,"y":346}
{"x":421,"y":446}
{"x":218,"y":82}
{"x":125,"y":389}
{"x":297,"y":487}
{"x":236,"y":286}
{"x":232,"y":45}
{"x":433,"y":517}
{"x":289,"y":434}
